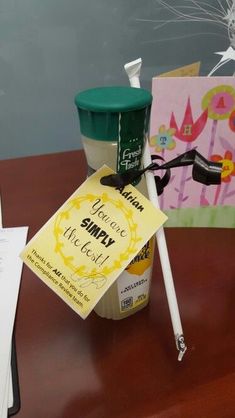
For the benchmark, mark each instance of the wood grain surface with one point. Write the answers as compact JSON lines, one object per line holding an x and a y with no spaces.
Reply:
{"x":97,"y":368}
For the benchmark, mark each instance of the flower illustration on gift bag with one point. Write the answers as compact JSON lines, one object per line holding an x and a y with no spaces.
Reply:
{"x":189,"y":130}
{"x":232,"y":121}
{"x":228,"y":171}
{"x":188,"y":133}
{"x":220,"y":102}
{"x":163,"y":140}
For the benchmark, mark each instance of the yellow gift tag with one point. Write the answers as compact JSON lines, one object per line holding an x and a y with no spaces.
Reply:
{"x":90,"y":240}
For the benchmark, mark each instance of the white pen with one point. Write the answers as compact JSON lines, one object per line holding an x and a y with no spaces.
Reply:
{"x":133,"y":71}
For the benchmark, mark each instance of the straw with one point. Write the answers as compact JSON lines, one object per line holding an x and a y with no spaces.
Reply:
{"x":160,"y":235}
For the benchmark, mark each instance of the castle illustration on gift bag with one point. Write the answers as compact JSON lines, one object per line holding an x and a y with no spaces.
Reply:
{"x":199,"y":113}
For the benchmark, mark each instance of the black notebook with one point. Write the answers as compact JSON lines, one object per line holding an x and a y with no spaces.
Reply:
{"x":15,"y":404}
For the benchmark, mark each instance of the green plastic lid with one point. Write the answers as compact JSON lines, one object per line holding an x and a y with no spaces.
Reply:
{"x":99,"y":109}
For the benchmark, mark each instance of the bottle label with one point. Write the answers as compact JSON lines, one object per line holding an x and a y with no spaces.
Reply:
{"x":131,"y":139}
{"x":134,"y":283}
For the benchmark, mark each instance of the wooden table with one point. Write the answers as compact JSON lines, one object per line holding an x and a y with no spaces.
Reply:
{"x":97,"y":368}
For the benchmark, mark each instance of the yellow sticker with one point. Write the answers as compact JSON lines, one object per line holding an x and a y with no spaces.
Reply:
{"x":90,"y":240}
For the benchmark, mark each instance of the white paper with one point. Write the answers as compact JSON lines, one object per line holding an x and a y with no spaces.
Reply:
{"x":9,"y":395}
{"x":0,"y":212}
{"x":12,"y":241}
{"x":7,"y":388}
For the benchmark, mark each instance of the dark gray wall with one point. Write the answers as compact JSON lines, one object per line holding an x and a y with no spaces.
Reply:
{"x":51,"y":49}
